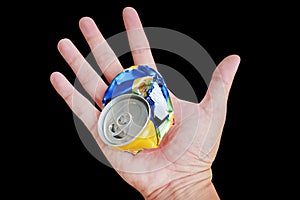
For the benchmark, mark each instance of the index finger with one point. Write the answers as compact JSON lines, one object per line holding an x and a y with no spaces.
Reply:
{"x":138,"y":41}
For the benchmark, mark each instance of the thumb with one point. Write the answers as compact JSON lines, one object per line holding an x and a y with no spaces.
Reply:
{"x":222,"y":78}
{"x":215,"y":101}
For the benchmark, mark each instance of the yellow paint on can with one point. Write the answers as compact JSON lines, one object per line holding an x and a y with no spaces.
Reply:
{"x":125,"y":124}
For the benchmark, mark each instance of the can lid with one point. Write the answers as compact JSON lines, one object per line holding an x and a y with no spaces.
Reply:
{"x":123,"y":119}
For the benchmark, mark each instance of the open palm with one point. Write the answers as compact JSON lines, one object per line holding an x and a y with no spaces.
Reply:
{"x":185,"y":156}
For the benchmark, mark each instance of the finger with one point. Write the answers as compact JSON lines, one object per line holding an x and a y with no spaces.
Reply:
{"x":222,"y":79}
{"x":214,"y":104}
{"x":87,"y":76}
{"x":81,"y":107}
{"x":138,"y":41}
{"x":104,"y":55}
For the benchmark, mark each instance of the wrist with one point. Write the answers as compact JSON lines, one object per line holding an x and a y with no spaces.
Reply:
{"x":189,"y":187}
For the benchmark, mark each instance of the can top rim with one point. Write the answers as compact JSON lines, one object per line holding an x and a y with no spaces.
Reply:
{"x":106,"y":109}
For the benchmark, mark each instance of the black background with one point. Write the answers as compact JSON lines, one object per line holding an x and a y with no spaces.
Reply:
{"x":51,"y":160}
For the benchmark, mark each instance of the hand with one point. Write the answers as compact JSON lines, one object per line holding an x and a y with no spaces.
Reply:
{"x":181,"y":166}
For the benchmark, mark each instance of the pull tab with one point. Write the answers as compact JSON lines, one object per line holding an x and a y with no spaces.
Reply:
{"x":120,"y":129}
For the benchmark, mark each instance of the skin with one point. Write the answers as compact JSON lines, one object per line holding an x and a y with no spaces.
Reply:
{"x":181,"y":166}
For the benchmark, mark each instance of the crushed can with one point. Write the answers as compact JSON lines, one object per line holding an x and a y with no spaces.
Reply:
{"x":137,"y":111}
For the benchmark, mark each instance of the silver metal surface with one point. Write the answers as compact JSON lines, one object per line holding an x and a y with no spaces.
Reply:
{"x":123,"y":119}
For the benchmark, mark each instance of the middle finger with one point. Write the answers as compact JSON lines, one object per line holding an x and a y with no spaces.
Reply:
{"x":104,"y":55}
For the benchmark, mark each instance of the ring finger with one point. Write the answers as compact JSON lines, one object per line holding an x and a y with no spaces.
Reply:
{"x":87,"y":76}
